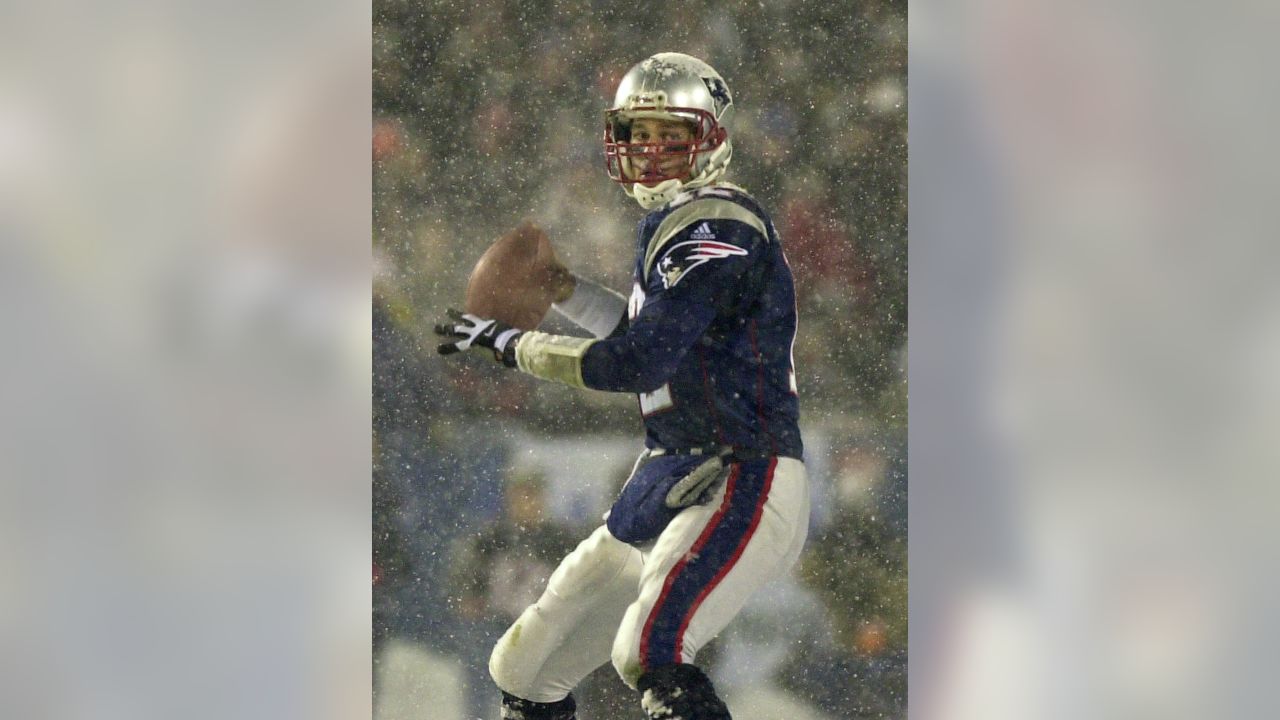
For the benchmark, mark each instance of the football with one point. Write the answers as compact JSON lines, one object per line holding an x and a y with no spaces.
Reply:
{"x":517,"y":278}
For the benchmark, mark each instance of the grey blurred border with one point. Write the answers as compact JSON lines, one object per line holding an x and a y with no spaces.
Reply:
{"x":184,"y":373}
{"x":1093,"y":333}
{"x":1093,"y":378}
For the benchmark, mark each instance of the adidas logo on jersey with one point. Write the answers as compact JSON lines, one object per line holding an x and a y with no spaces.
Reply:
{"x":703,"y":232}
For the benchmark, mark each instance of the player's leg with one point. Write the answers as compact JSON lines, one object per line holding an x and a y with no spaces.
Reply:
{"x":699,"y":574}
{"x":568,"y":632}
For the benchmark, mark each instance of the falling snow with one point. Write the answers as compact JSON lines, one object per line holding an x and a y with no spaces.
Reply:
{"x":488,"y":113}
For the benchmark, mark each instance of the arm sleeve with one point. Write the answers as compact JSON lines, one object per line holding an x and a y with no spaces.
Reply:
{"x":671,"y":321}
{"x":594,"y":308}
{"x":648,"y":353}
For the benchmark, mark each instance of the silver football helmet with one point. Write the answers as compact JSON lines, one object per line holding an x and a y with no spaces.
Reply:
{"x":671,"y":87}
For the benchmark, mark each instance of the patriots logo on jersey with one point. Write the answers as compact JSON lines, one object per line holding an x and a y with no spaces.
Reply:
{"x":685,"y":256}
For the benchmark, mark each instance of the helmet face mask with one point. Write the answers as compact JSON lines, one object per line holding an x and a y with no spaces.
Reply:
{"x":672,"y":88}
{"x":653,"y":161}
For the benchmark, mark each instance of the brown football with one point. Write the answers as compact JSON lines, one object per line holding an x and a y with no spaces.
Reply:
{"x":516,"y":279}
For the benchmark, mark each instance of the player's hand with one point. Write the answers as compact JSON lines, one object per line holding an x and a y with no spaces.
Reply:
{"x":469,"y":331}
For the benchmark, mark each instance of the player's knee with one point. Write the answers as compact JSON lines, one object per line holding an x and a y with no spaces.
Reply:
{"x":501,"y":667}
{"x":626,"y":649}
{"x":626,"y":659}
{"x":511,"y":671}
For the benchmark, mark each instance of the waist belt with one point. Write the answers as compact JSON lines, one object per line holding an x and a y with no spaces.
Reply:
{"x":730,"y":454}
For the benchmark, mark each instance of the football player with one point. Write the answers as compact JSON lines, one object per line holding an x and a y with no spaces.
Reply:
{"x":717,"y":504}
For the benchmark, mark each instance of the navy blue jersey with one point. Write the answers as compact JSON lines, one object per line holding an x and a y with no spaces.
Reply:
{"x":707,"y":342}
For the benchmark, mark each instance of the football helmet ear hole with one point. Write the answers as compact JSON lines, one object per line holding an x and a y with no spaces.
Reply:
{"x":617,"y":127}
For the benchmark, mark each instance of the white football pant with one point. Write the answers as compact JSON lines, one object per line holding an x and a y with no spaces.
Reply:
{"x":642,"y":608}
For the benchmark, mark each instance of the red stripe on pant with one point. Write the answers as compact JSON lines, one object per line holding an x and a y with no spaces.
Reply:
{"x":697,"y":547}
{"x":701,"y":542}
{"x":733,"y":560}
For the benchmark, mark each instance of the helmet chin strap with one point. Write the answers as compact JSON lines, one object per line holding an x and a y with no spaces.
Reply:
{"x":666,"y":191}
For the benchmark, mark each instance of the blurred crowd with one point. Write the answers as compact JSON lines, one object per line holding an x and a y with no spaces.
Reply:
{"x":486,"y":114}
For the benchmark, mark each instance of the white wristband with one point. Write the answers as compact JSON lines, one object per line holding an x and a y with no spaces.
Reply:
{"x":593,"y":307}
{"x":500,"y":342}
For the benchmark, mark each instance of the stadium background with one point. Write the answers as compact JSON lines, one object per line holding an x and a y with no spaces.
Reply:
{"x":489,"y":113}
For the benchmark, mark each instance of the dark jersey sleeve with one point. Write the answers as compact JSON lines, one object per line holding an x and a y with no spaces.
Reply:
{"x":696,"y":275}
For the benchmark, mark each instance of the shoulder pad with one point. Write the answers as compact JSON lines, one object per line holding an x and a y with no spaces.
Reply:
{"x":699,"y":210}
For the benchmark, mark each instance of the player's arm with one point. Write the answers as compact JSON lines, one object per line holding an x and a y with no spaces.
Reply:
{"x":703,"y":275}
{"x":593,"y":307}
{"x":702,"y":278}
{"x":639,"y":359}
{"x":648,"y":353}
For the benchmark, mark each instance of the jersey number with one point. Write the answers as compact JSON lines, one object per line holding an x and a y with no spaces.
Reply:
{"x":656,"y":401}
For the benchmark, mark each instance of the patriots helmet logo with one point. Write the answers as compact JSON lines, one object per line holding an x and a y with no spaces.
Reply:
{"x":719,"y":93}
{"x":685,"y":256}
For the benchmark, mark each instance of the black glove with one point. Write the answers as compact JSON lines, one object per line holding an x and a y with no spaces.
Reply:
{"x":473,"y":331}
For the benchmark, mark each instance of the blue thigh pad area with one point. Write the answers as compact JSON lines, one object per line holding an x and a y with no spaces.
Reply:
{"x":640,"y":513}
